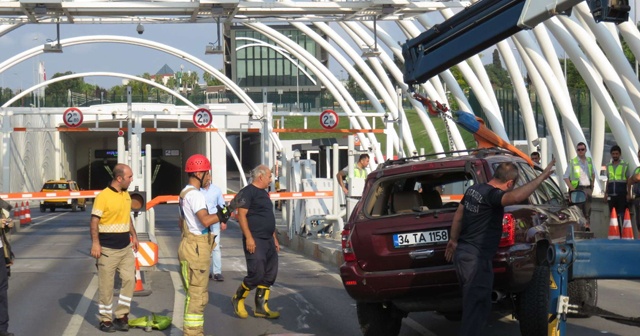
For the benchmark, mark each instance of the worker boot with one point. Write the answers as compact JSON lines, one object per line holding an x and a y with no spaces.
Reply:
{"x":262,"y":299}
{"x":238,"y":301}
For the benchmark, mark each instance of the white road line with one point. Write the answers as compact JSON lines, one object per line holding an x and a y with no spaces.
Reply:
{"x":417,"y":327}
{"x":179,"y":295}
{"x":46,"y":220}
{"x":81,"y":310}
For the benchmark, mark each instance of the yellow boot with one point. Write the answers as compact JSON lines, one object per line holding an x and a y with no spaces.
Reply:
{"x":238,"y":301}
{"x":262,"y":298}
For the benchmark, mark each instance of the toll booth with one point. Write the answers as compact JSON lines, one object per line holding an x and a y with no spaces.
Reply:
{"x":320,"y":151}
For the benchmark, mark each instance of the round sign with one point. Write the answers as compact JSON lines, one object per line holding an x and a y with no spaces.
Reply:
{"x":202,"y":118}
{"x":329,"y":119}
{"x":72,"y":117}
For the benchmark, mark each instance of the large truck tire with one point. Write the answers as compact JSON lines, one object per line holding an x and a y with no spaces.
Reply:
{"x":533,"y":304}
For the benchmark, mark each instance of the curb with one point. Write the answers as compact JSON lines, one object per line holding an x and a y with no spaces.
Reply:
{"x":324,"y":250}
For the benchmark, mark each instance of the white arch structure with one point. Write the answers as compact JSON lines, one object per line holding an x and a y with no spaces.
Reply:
{"x":140,"y":79}
{"x":613,"y":84}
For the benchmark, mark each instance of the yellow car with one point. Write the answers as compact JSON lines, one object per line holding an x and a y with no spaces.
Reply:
{"x":62,"y":185}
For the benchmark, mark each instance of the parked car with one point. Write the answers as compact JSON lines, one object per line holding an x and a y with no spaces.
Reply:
{"x":69,"y":203}
{"x":394,"y":242}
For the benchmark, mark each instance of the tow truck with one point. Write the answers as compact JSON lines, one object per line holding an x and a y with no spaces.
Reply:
{"x":478,"y":27}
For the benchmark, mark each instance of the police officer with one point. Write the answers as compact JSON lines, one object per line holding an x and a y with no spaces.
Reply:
{"x":616,"y":189}
{"x":579,"y":175}
{"x":197,"y":243}
{"x":258,"y":224}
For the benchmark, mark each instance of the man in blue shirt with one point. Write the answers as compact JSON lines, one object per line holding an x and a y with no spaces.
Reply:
{"x":213,"y":196}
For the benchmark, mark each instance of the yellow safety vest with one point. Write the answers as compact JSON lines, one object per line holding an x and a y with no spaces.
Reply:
{"x":575,"y":170}
{"x":619,"y":173}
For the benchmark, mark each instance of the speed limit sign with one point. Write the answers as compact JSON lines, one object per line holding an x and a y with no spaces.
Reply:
{"x":202,"y":118}
{"x":329,"y":119}
{"x":72,"y":117}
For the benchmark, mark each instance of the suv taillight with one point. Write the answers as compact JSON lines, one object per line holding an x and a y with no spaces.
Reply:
{"x":508,"y":231}
{"x":347,"y":251}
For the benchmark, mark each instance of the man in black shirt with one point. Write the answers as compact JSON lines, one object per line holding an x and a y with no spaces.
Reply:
{"x":475,"y":235}
{"x":261,"y":247}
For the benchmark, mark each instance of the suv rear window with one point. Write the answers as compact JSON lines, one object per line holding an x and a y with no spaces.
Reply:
{"x":417,"y":192}
{"x":56,"y":186}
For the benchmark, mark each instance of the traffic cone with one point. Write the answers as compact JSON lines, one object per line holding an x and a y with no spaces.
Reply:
{"x":23,"y":219}
{"x":16,"y":211}
{"x":27,"y":214}
{"x":139,"y":289}
{"x":614,"y":230}
{"x":627,"y":230}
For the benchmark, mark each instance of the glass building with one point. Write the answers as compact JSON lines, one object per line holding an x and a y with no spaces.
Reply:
{"x":254,"y":62}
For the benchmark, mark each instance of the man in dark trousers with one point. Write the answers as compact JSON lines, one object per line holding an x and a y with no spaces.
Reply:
{"x":261,"y":247}
{"x":475,"y":235}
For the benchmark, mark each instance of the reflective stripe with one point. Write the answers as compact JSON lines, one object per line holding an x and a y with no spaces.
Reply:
{"x":193,"y":320}
{"x":105,"y":311}
{"x":125,"y":301}
{"x":113,"y":228}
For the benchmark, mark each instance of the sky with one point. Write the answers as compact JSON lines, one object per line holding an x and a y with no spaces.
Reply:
{"x":129,"y":59}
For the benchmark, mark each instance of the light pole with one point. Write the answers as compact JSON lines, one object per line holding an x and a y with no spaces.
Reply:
{"x":297,"y":75}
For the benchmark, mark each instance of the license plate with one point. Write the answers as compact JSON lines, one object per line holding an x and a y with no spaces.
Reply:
{"x":420,"y":238}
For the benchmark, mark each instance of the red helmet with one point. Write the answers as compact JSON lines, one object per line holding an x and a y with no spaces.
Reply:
{"x":197,"y":163}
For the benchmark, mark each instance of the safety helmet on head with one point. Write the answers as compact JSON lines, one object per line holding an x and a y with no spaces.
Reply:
{"x":197,"y":163}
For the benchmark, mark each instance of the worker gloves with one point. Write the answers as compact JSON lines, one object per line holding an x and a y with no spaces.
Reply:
{"x":223,"y":214}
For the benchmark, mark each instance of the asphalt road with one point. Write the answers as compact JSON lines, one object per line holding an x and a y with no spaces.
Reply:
{"x":53,"y":286}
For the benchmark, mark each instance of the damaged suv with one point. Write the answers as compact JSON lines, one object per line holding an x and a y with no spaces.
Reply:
{"x":394,"y":242}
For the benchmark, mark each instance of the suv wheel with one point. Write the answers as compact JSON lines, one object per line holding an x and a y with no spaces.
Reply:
{"x":533,"y":304}
{"x":74,"y":207}
{"x":584,"y":294}
{"x":377,"y":319}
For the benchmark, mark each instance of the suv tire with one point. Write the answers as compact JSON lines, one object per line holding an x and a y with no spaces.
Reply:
{"x":74,"y":207}
{"x":584,"y":294}
{"x":376,"y":319}
{"x":533,"y":304}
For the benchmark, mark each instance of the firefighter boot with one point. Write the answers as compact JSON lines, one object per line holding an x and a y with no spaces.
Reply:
{"x":238,"y":301}
{"x":262,"y":299}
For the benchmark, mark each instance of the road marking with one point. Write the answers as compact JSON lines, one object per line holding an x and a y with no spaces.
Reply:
{"x":45,"y":220}
{"x":179,"y":295}
{"x":411,"y":323}
{"x":83,"y":306}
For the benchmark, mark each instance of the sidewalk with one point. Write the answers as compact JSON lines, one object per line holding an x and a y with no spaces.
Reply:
{"x":325,"y":250}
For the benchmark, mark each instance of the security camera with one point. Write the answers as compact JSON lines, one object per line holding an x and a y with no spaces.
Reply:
{"x":250,"y":114}
{"x":113,"y":114}
{"x":140,"y":28}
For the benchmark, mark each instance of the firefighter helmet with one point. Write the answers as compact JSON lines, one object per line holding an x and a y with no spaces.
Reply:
{"x":197,"y":163}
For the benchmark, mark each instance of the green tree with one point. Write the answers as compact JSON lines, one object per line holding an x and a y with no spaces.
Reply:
{"x":60,"y":88}
{"x":210,"y":80}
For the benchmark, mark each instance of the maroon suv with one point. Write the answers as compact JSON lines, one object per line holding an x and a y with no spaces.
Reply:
{"x":395,"y":239}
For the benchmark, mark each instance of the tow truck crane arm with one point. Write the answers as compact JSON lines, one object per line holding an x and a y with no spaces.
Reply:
{"x":486,"y":23}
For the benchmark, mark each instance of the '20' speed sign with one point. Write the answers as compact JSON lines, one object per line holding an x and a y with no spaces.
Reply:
{"x":329,"y":119}
{"x":202,"y":118}
{"x":72,"y":117}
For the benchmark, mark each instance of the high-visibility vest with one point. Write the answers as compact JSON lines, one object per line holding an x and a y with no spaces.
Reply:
{"x":360,"y":173}
{"x":619,"y":173}
{"x":575,"y":171}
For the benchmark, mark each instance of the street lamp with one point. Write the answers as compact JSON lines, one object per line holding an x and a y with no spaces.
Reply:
{"x":297,"y":75}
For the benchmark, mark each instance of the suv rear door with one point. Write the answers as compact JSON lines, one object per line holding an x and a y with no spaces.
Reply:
{"x":412,"y":236}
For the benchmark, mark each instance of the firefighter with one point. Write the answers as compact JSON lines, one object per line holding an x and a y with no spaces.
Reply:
{"x":197,"y":243}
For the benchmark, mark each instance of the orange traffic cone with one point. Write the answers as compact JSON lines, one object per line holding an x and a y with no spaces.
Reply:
{"x":27,"y":214}
{"x":23,"y":219}
{"x":16,"y":211}
{"x":139,"y":289}
{"x":627,"y":230}
{"x":614,"y":230}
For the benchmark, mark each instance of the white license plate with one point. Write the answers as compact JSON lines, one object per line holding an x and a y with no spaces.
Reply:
{"x":420,"y":238}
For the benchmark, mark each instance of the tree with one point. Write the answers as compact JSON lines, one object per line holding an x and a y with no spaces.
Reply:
{"x":61,"y":88}
{"x":210,"y":80}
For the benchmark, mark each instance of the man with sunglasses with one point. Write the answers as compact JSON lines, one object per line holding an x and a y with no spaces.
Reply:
{"x":579,"y":176}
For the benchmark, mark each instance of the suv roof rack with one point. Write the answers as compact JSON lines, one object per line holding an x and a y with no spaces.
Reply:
{"x":479,"y":152}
